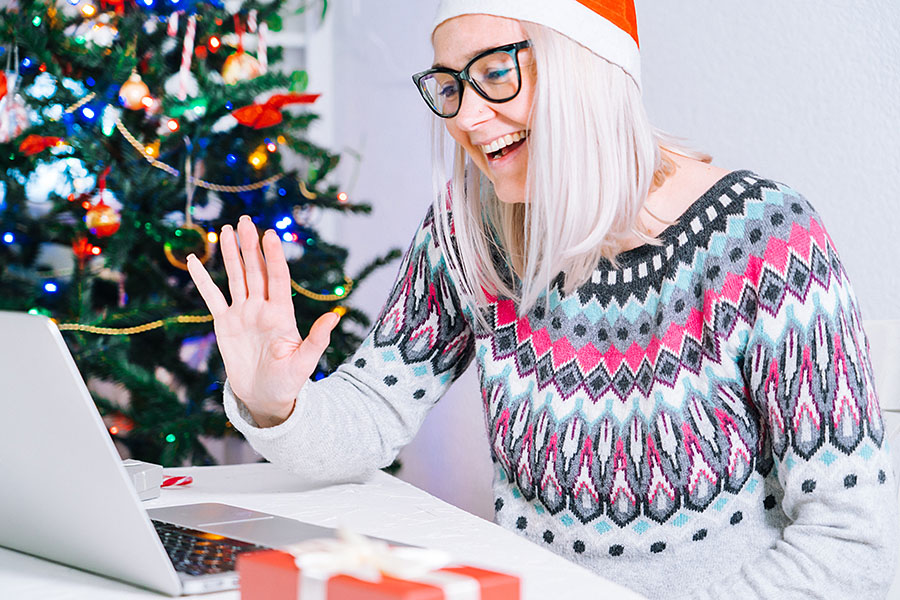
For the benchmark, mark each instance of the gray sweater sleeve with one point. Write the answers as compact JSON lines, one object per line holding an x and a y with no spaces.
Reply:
{"x":358,"y":418}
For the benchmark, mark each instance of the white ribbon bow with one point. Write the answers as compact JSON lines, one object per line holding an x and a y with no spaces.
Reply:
{"x":367,"y":559}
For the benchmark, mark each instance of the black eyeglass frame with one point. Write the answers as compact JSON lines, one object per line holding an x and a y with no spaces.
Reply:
{"x":463,"y":76}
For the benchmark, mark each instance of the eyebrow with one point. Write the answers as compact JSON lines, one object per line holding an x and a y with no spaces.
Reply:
{"x":469,"y":57}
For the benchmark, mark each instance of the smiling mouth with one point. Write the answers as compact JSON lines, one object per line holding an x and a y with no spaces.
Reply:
{"x":504,"y":145}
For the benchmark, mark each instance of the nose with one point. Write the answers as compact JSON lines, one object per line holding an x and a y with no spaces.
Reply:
{"x":473,"y":110}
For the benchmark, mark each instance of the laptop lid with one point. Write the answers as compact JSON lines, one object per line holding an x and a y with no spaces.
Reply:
{"x":67,"y":497}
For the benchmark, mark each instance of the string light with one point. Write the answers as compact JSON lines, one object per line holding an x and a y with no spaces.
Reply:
{"x":288,"y":237}
{"x":231,"y":159}
{"x":339,"y":291}
{"x":172,"y":125}
{"x":88,"y":113}
{"x":50,"y":287}
{"x":283,"y":223}
{"x":342,"y":197}
{"x":258,"y":159}
{"x":281,"y":139}
{"x":147,"y":101}
{"x":95,"y":250}
{"x":214,"y":44}
{"x":36,"y":21}
{"x":89,"y":10}
{"x":114,"y":430}
{"x":271,"y":147}
{"x":8,"y":238}
{"x":170,"y":438}
{"x":212,"y":237}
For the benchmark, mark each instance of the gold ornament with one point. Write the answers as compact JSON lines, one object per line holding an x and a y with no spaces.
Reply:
{"x":133,"y":92}
{"x":240,"y":66}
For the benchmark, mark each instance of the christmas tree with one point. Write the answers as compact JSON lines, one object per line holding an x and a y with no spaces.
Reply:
{"x":130,"y":132}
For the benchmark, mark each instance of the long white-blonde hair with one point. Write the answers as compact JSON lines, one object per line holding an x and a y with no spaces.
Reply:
{"x":593,"y":159}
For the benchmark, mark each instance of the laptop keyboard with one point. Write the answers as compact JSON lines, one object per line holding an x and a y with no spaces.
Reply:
{"x":200,"y":553}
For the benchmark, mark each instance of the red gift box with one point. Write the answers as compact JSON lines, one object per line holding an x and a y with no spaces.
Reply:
{"x":274,"y":575}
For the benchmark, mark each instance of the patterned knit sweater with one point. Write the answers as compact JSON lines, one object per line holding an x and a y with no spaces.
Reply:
{"x":699,"y":422}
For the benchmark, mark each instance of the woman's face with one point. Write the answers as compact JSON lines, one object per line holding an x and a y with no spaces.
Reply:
{"x":481,"y":123}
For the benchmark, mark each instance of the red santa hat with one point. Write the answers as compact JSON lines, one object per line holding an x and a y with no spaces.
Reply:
{"x":608,"y":28}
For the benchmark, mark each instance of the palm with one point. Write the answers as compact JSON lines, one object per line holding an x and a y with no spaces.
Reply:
{"x":266,"y":359}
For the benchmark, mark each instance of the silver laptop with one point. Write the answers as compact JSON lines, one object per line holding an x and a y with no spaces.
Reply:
{"x":68,"y":498}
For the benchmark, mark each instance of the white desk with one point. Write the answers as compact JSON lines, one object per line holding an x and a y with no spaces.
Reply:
{"x":385,"y":507}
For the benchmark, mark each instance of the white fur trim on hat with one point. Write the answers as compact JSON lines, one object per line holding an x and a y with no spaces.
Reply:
{"x":568,"y":17}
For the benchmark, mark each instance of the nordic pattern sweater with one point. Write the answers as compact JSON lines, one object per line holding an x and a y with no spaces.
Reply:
{"x":700,"y":421}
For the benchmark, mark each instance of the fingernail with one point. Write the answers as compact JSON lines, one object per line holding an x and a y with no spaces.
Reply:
{"x":190,"y":256}
{"x":245,"y":217}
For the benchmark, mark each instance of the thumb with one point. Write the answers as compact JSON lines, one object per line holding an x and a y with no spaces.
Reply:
{"x":320,"y":333}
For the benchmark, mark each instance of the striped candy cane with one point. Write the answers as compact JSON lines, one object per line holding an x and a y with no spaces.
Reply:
{"x":172,"y":25}
{"x":251,"y":21}
{"x":186,"y":55}
{"x":262,"y":50}
{"x":176,"y":481}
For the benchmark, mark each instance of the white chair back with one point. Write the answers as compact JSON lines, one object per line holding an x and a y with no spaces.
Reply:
{"x":884,"y":343}
{"x":884,"y":347}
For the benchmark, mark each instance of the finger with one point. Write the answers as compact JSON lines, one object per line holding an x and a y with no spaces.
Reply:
{"x":234,"y":266}
{"x":319,"y":336}
{"x":277,"y":269}
{"x":209,"y":291}
{"x":254,"y":267}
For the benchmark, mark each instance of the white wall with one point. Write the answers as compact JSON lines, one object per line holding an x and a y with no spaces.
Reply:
{"x":806,"y":92}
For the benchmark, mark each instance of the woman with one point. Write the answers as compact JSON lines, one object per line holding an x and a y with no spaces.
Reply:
{"x":673,"y":369}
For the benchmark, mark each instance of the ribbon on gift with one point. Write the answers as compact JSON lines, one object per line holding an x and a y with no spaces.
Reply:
{"x":367,"y":559}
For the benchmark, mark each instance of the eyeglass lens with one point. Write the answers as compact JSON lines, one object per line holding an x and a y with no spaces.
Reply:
{"x":495,"y":77}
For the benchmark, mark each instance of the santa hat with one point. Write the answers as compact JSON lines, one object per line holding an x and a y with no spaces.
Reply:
{"x":608,"y":28}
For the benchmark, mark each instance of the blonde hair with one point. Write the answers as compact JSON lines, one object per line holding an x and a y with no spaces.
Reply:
{"x":594,"y":158}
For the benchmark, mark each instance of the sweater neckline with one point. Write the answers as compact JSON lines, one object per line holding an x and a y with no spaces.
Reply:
{"x":684,"y":229}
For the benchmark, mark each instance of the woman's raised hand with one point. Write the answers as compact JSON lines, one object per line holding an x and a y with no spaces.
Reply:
{"x":266,"y":360}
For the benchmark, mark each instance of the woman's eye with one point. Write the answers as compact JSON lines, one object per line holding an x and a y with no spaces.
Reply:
{"x":448,"y":91}
{"x":495,"y":75}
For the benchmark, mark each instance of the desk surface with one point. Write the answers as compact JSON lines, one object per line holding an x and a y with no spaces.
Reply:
{"x":384,"y":506}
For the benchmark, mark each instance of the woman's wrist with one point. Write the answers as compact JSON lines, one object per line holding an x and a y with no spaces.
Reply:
{"x":272,"y":419}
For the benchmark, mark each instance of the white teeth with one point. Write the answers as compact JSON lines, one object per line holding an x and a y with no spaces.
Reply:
{"x":504,"y":141}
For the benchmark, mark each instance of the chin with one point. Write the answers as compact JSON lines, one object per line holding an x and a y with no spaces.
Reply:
{"x":510,"y":196}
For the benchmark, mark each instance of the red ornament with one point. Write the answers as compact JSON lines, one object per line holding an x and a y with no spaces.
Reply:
{"x":2,"y":84}
{"x":259,"y":116}
{"x":34,"y":144}
{"x":102,"y":220}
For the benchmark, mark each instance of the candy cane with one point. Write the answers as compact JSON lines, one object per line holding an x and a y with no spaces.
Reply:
{"x":172,"y":28}
{"x":176,"y":481}
{"x":251,"y":21}
{"x":261,"y":51}
{"x":186,"y":55}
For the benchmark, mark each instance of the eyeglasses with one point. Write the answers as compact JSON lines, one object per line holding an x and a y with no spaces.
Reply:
{"x":494,"y":75}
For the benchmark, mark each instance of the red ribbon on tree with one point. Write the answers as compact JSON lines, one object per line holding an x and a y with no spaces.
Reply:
{"x":2,"y":84}
{"x":118,"y":5}
{"x":34,"y":144}
{"x":259,"y":116}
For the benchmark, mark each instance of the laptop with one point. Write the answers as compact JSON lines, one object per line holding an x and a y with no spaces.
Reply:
{"x":67,"y":497}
